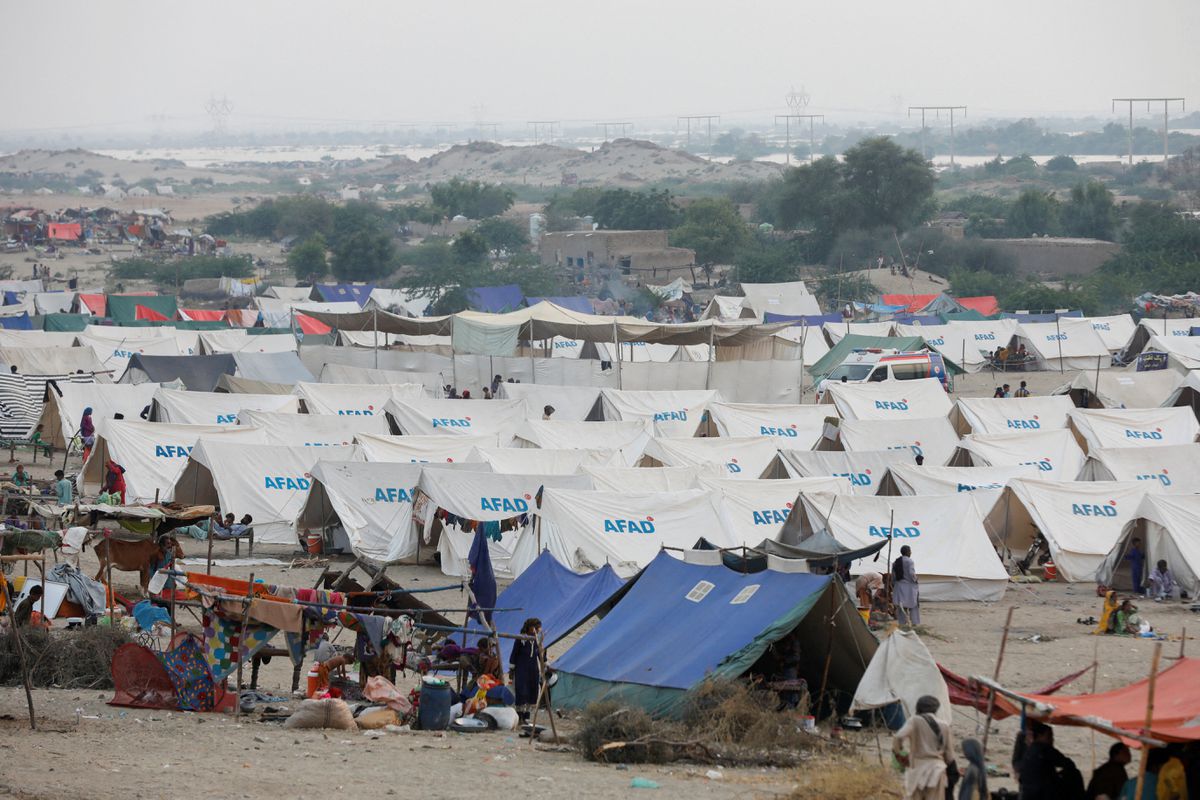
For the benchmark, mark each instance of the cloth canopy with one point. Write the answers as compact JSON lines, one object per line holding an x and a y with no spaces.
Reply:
{"x":271,"y":367}
{"x":752,"y":509}
{"x":497,"y":299}
{"x":683,"y":623}
{"x":197,"y":373}
{"x":792,"y":298}
{"x":358,"y":293}
{"x":236,"y":340}
{"x":563,"y":600}
{"x":123,"y":307}
{"x":51,"y":360}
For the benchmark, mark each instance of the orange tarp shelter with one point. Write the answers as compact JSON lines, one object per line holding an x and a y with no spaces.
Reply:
{"x":986,"y":304}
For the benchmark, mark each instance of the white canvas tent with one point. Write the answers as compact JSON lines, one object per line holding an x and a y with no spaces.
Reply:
{"x":1184,"y":351}
{"x":312,"y":430}
{"x":1146,"y":328}
{"x":643,"y":479}
{"x":630,"y":437}
{"x":790,"y":298}
{"x":955,"y":344}
{"x":748,"y":457}
{"x":152,"y":453}
{"x":571,"y":403}
{"x":539,"y":461}
{"x":1081,"y":520}
{"x":1135,"y":427}
{"x":951,"y":550}
{"x":1070,"y":343}
{"x":587,"y":529}
{"x":675,"y":414}
{"x":1167,"y":526}
{"x":1114,"y":331}
{"x":53,"y":360}
{"x":795,"y":426}
{"x":811,"y":341}
{"x":268,"y":482}
{"x":1121,"y":388}
{"x":1013,"y":414}
{"x":834,"y":331}
{"x":985,"y":335}
{"x":36,"y":338}
{"x":447,"y":449}
{"x":755,"y":510}
{"x":425,"y":417}
{"x":181,"y":407}
{"x":488,"y":497}
{"x":371,"y":502}
{"x":865,"y":471}
{"x":934,"y":438}
{"x":1173,"y":467}
{"x":928,"y":480}
{"x":63,"y":410}
{"x":114,"y":355}
{"x":892,"y":400}
{"x":355,"y":399}
{"x":237,"y":340}
{"x":1055,"y":453}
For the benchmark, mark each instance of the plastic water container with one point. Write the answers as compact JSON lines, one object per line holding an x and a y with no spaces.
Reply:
{"x":434,"y":711}
{"x":1049,"y":571}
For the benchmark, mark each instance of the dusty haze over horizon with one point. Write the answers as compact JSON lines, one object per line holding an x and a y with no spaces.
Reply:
{"x":133,"y":66}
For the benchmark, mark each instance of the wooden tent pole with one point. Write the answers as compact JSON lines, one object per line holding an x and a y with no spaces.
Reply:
{"x":20,"y":647}
{"x":237,"y":712}
{"x":987,"y":721}
{"x":1141,"y":777}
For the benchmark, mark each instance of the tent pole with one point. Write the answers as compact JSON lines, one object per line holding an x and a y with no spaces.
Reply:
{"x":712,"y":355}
{"x":1058,"y":337}
{"x":803,"y":337}
{"x":1141,"y":776}
{"x":987,"y":721}
{"x":1096,"y":393}
{"x":617,"y":347}
{"x":19,"y":646}
{"x":375,"y":329}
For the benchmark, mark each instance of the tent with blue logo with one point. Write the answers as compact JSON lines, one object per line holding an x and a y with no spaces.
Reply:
{"x":1056,"y":453}
{"x":1167,"y":526}
{"x":682,"y":623}
{"x":570,"y":403}
{"x":268,"y":482}
{"x":426,"y":417}
{"x":1081,"y":520}
{"x":930,"y":480}
{"x":1134,"y":427}
{"x":752,"y":510}
{"x":340,"y":292}
{"x":1069,"y":343}
{"x":460,"y":500}
{"x":744,"y":457}
{"x":496,"y":299}
{"x":311,"y":430}
{"x":629,"y":437}
{"x":563,"y":600}
{"x":890,"y":400}
{"x":367,"y":506}
{"x":355,"y":399}
{"x":934,"y":438}
{"x":215,"y":408}
{"x":676,"y":414}
{"x":865,"y":471}
{"x":794,"y":426}
{"x":988,"y":415}
{"x":1172,"y":466}
{"x":950,"y":546}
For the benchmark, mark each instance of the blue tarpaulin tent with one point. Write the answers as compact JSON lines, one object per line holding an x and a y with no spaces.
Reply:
{"x":681,"y":623}
{"x":342,"y":292}
{"x":17,"y":322}
{"x":560,"y":598}
{"x":809,"y":319}
{"x":581,"y":304}
{"x":496,"y":299}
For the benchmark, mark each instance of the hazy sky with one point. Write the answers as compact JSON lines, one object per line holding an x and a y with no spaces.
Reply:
{"x":126,"y":64}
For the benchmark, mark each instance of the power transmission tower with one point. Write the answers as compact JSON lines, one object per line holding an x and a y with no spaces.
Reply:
{"x":787,"y":119}
{"x":938,"y":111}
{"x":607,"y":125}
{"x":219,"y":111}
{"x":708,"y":117}
{"x":1166,"y":101}
{"x":537,"y":127}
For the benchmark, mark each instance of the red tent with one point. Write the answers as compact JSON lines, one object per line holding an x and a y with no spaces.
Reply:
{"x":985,"y":304}
{"x":96,"y":303}
{"x":66,"y":231}
{"x":912,"y":302}
{"x":149,"y":314}
{"x":201,"y":314}
{"x":309,"y":325}
{"x":1176,"y":705}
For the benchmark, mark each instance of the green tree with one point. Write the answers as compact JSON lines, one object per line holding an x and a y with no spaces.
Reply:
{"x":472,"y":199}
{"x":714,"y":229}
{"x":1033,"y":213}
{"x":888,"y":185}
{"x":362,"y":255}
{"x":307,"y":259}
{"x":1062,"y":164}
{"x":765,"y":260}
{"x":503,"y":234}
{"x":470,"y":249}
{"x":1090,"y":212}
{"x":623,"y":210}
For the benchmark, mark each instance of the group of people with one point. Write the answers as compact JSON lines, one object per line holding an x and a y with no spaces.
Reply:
{"x":1160,"y":584}
{"x":1004,"y":390}
{"x":1003,"y":355}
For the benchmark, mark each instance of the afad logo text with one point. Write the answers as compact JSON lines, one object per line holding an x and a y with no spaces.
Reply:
{"x":1032,"y":424}
{"x":1108,"y":509}
{"x":772,"y":516}
{"x":1154,"y":435}
{"x":671,"y":416}
{"x":892,"y":405}
{"x":451,"y":422}
{"x":369,"y":411}
{"x":1042,"y":463}
{"x":898,"y":532}
{"x":733,"y":466}
{"x":768,"y":430}
{"x":855,"y":478}
{"x":1161,"y":477}
{"x":288,"y":482}
{"x":507,"y":505}
{"x":629,"y":525}
{"x":392,"y":494}
{"x":172,"y":450}
{"x":915,"y":447}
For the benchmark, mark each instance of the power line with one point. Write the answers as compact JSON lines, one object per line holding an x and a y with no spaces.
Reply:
{"x":607,"y":125}
{"x":938,"y":110}
{"x":787,"y":118}
{"x":1166,"y":101}
{"x":708,"y":117}
{"x":537,"y":126}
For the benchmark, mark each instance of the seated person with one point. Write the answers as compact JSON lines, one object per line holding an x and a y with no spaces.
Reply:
{"x":37,"y":440}
{"x":24,"y":614}
{"x":20,"y":477}
{"x":228,"y":529}
{"x":1126,"y":621}
{"x":1161,"y":584}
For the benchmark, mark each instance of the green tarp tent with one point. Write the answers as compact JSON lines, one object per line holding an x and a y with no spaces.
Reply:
{"x":123,"y":308}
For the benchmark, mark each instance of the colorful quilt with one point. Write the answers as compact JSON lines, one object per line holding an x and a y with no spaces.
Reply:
{"x":189,"y":673}
{"x":224,"y":647}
